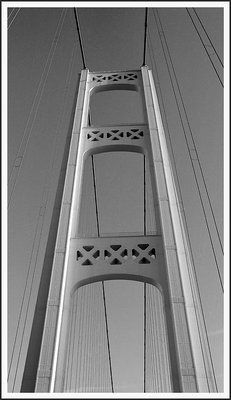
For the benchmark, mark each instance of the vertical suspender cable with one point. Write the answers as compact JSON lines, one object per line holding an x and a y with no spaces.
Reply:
{"x":96,"y":204}
{"x":68,"y":369}
{"x":91,"y":377}
{"x":145,"y":228}
{"x":87,"y":335}
{"x":80,"y":38}
{"x":145,"y":333}
{"x":108,"y":343}
{"x":145,"y":305}
{"x":78,"y":349}
{"x":104,"y":298}
{"x":145,"y":35}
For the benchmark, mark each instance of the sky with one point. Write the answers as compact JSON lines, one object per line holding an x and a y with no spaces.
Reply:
{"x":42,"y":80}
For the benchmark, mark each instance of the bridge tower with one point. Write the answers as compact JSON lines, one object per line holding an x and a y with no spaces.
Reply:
{"x":161,"y":260}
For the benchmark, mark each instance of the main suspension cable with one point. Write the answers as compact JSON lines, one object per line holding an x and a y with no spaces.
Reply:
{"x":193,"y":141}
{"x":20,"y":156}
{"x":40,"y":219}
{"x":187,"y":143}
{"x":192,"y":138}
{"x":80,"y":38}
{"x":11,"y":12}
{"x":214,"y":67}
{"x":210,"y":41}
{"x":15,"y":15}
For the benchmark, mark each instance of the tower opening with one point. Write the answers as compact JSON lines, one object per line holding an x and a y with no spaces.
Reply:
{"x":116,"y":107}
{"x":96,"y":364}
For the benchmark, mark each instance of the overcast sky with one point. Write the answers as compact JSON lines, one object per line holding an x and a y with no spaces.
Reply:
{"x":41,"y":88}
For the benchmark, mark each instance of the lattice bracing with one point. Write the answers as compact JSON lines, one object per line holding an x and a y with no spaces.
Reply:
{"x":106,"y":78}
{"x":116,"y":254}
{"x":96,"y":135}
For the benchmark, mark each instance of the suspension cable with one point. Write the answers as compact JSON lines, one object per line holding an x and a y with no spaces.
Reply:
{"x":108,"y":343}
{"x":90,"y":337}
{"x":15,"y":15}
{"x":214,"y":67}
{"x":145,"y":229}
{"x":79,"y":322}
{"x":145,"y":332}
{"x":20,"y":156}
{"x":95,"y":193}
{"x":193,"y":167}
{"x":11,"y":12}
{"x":145,"y":35}
{"x":210,"y":41}
{"x":69,"y":353}
{"x":21,"y":308}
{"x":41,"y":217}
{"x":183,"y":210}
{"x":103,"y":288}
{"x":192,"y":138}
{"x":80,"y":38}
{"x":145,"y":302}
{"x":157,"y":83}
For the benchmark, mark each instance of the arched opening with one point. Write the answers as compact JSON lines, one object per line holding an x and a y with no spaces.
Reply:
{"x":117,"y":196}
{"x":116,"y":107}
{"x":111,"y":345}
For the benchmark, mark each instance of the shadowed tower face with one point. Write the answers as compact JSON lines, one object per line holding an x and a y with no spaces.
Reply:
{"x":120,"y":235}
